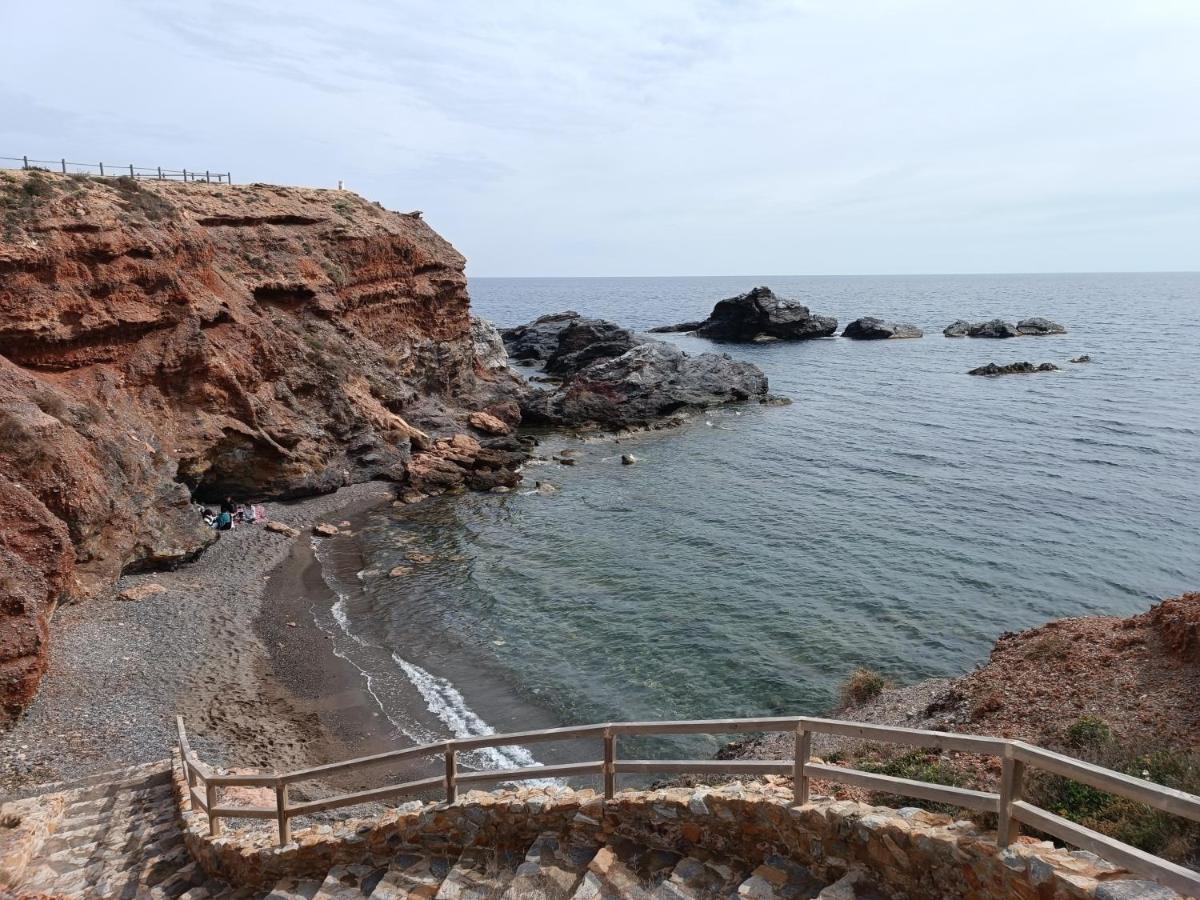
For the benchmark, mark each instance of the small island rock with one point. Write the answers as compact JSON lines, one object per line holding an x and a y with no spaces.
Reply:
{"x":1038,"y":325}
{"x":1018,"y":368}
{"x":869,"y":328}
{"x":1082,"y":359}
{"x":759,"y":315}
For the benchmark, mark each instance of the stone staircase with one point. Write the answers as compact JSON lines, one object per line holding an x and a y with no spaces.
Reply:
{"x":119,"y":835}
{"x":553,"y":869}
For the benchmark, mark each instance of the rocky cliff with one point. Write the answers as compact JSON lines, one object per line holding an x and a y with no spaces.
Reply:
{"x":160,"y":340}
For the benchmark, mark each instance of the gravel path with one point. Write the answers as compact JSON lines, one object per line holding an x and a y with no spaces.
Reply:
{"x":120,"y":671}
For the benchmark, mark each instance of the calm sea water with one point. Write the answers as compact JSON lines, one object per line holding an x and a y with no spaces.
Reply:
{"x":898,"y":514}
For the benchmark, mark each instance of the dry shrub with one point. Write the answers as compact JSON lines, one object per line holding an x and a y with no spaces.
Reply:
{"x":863,"y":684}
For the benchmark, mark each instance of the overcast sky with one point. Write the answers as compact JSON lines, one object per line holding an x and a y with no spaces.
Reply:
{"x":659,"y":137}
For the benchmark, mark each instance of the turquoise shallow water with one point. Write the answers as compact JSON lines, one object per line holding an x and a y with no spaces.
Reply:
{"x":899,"y":514}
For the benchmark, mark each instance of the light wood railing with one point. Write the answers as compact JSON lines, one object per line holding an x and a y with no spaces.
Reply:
{"x":1012,"y":811}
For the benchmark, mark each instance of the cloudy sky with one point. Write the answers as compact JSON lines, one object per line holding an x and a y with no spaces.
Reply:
{"x":660,"y":137}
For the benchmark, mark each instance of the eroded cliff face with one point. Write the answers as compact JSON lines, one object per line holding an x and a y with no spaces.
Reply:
{"x":160,"y":339}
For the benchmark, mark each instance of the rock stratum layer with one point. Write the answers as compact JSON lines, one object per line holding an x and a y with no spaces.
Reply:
{"x":159,"y":340}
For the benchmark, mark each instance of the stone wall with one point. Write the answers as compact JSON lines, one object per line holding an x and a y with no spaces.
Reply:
{"x":910,"y":853}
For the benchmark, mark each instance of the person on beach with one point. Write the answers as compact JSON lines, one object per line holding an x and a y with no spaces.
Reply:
{"x":224,"y":520}
{"x":228,"y":506}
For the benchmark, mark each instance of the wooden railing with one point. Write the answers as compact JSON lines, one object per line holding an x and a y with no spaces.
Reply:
{"x":1012,"y":811}
{"x":155,"y":173}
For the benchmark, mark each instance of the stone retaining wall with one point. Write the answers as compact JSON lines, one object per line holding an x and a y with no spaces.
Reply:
{"x":909,"y":853}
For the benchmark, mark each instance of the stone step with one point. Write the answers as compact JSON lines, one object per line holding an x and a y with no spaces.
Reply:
{"x":479,"y":874}
{"x":609,"y":878}
{"x":294,"y":889}
{"x":698,"y":879}
{"x":779,"y":878}
{"x":111,"y":796}
{"x":412,"y":876}
{"x":349,"y":882}
{"x":132,"y":773}
{"x":89,"y":832}
{"x":552,"y":869}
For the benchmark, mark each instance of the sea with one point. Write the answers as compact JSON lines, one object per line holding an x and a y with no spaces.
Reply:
{"x":898,"y":514}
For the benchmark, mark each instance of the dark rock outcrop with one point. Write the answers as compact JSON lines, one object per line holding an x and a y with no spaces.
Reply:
{"x":1082,"y":359}
{"x":537,"y":341}
{"x":868,"y":328}
{"x":585,"y":341}
{"x":643,"y":386}
{"x":1037,"y":326}
{"x":670,"y":329}
{"x":760,"y":316}
{"x":998,"y":328}
{"x":1018,"y":368}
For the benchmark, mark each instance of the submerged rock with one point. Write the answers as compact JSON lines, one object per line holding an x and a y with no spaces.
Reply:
{"x":759,"y":315}
{"x":628,"y":459}
{"x":1038,"y":325}
{"x":868,"y":328}
{"x":1017,"y":368}
{"x":668,"y":329}
{"x":652,"y":381}
{"x":1082,"y":359}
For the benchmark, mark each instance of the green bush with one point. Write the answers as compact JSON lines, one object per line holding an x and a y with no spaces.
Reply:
{"x":862,"y":685}
{"x":916,"y":765}
{"x":1160,"y":833}
{"x":1089,"y":732}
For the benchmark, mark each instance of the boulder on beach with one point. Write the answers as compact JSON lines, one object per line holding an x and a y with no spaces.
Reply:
{"x":1017,"y":368}
{"x":282,"y":528}
{"x":487,"y":423}
{"x":324,"y":529}
{"x":1039,"y":325}
{"x":869,"y":328}
{"x":647,"y":384}
{"x":758,"y":315}
{"x":139,"y":592}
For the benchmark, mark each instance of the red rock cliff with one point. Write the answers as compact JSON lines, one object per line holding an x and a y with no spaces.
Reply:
{"x":159,"y":339}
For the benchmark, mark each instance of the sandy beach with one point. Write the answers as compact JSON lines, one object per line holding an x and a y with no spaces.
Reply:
{"x":121,"y":671}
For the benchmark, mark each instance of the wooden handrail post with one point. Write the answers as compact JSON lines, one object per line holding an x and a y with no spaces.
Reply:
{"x":210,"y":800}
{"x":1012,"y":779}
{"x":610,"y":767}
{"x":281,"y":813}
{"x":451,"y":776}
{"x":800,"y":782}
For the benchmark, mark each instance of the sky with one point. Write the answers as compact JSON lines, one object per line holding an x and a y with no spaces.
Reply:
{"x":664,"y":137}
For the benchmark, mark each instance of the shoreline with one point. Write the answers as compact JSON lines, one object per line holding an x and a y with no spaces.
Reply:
{"x":121,"y":671}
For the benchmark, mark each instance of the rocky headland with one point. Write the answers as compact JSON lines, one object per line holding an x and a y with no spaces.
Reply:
{"x":162,"y":343}
{"x":760,"y":316}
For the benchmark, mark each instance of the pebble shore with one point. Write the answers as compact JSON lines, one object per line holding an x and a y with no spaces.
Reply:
{"x":121,"y":671}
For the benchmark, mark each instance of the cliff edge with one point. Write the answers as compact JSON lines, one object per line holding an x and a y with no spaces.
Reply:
{"x":159,"y":340}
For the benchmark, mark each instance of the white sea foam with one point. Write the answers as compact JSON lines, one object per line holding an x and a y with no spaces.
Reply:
{"x":446,"y":702}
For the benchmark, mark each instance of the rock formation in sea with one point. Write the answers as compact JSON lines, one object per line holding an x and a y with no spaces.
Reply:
{"x":610,"y":378}
{"x":642,"y":386}
{"x":759,"y":315}
{"x":868,"y":328}
{"x":998,"y":328}
{"x":159,"y":339}
{"x":1017,"y":368}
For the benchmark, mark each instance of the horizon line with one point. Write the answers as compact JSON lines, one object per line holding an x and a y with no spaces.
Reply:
{"x":866,"y":274}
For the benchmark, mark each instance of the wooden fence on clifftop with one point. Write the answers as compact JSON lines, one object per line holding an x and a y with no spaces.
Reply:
{"x":109,"y":170}
{"x":1012,"y":811}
